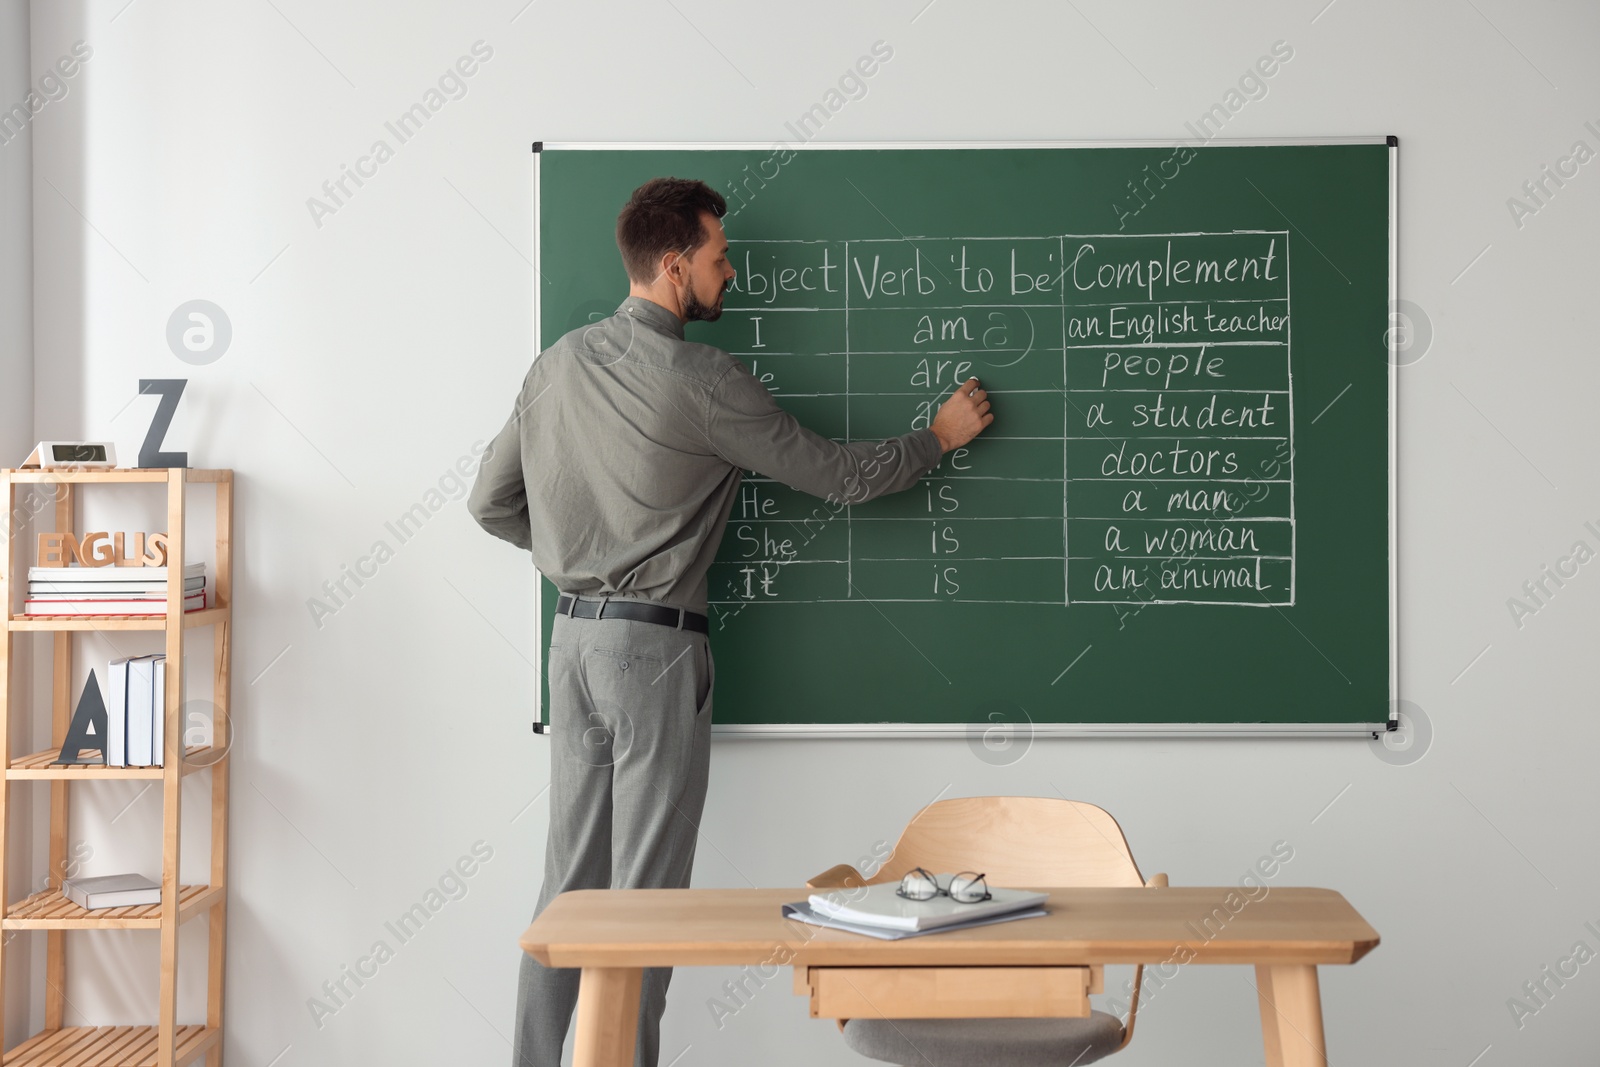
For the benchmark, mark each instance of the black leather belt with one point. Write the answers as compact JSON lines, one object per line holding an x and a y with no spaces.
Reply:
{"x":677,"y":618}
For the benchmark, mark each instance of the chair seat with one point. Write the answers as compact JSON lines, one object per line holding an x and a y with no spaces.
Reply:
{"x":986,"y":1042}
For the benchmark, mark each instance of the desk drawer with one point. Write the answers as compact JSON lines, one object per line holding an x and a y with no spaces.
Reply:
{"x":946,"y":992}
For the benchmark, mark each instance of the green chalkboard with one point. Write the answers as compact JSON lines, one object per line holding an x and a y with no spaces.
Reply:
{"x":1182,"y":512}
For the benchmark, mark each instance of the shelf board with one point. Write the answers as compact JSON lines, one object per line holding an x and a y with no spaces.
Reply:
{"x":108,"y":1046}
{"x":191,"y":619}
{"x":37,"y":765}
{"x":120,"y":474}
{"x":49,"y":910}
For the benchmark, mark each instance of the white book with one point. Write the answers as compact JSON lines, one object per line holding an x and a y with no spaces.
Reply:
{"x":141,"y":709}
{"x":803,"y":911}
{"x":881,"y":905}
{"x":111,"y":891}
{"x":76,"y":573}
{"x":108,"y":606}
{"x":158,"y":732}
{"x":116,"y":752}
{"x":110,"y":589}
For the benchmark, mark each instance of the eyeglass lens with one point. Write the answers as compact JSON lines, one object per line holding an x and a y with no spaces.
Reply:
{"x":966,"y":887}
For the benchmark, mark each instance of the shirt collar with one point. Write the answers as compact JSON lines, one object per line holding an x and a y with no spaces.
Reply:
{"x":652,"y":313}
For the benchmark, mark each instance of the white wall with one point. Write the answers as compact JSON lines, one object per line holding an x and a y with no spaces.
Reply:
{"x":16,"y":395}
{"x":369,"y":352}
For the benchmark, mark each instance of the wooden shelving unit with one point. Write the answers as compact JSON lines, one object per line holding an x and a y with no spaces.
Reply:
{"x":166,"y":1044}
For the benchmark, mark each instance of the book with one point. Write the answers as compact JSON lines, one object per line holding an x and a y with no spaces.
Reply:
{"x":101,"y":598}
{"x":111,"y":891}
{"x":158,"y":724}
{"x":881,"y":905}
{"x":121,"y":606}
{"x":116,"y":751}
{"x":130,"y":589}
{"x":76,"y":573}
{"x":141,"y":710}
{"x":802,"y":911}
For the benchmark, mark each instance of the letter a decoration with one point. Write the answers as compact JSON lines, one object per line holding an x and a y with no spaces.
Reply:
{"x":88,"y":729}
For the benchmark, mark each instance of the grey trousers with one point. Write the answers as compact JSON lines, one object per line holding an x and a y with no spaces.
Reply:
{"x":630,"y":747}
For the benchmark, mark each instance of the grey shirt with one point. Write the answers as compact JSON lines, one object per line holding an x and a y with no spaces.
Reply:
{"x":622,"y":458}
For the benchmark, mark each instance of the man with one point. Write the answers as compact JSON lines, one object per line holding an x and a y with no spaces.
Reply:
{"x":617,"y":472}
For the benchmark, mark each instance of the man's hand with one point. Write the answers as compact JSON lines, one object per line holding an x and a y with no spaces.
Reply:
{"x":963,"y":416}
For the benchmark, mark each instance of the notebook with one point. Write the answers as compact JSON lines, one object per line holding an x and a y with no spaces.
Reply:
{"x":802,"y":911}
{"x":881,"y":905}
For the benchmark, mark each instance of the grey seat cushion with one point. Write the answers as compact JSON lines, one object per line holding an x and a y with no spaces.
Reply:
{"x":986,"y":1042}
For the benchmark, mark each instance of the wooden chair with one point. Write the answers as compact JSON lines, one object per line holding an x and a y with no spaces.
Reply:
{"x":1015,"y":841}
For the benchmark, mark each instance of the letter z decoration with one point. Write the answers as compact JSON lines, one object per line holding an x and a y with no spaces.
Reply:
{"x":150,"y":454}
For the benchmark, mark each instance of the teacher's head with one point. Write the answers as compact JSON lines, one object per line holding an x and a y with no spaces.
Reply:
{"x":674,"y":248}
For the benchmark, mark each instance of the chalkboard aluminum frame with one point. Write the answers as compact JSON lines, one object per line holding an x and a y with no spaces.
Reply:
{"x":755,"y":731}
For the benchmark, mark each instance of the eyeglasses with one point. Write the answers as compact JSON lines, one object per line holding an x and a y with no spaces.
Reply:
{"x":966,"y":887}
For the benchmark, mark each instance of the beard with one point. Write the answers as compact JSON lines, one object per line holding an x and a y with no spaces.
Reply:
{"x":695,"y":311}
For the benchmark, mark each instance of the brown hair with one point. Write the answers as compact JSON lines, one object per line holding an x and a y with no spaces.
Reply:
{"x":663,"y":215}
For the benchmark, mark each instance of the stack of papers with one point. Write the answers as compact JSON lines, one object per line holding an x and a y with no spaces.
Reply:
{"x":879,"y":911}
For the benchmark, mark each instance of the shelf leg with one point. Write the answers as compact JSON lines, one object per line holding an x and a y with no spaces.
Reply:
{"x":5,"y":795}
{"x":221,"y":735}
{"x":55,"y":997}
{"x":55,"y":976}
{"x":172,"y":771}
{"x":8,"y":497}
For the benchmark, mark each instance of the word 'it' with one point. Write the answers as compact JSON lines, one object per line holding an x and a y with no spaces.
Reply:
{"x":102,"y":550}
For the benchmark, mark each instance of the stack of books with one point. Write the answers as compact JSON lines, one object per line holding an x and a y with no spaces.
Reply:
{"x":879,"y":911}
{"x":136,"y":703}
{"x":79,"y":590}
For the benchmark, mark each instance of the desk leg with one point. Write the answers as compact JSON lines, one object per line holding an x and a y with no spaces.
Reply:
{"x":1291,"y":1016}
{"x":608,"y":1017}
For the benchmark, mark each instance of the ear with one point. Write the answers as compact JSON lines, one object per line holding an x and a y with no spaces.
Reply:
{"x":673,"y":266}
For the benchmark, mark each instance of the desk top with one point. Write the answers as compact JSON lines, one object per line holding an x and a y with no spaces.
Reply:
{"x":717,"y":927}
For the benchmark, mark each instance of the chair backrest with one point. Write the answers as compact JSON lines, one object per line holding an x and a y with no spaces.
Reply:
{"x":1015,"y":841}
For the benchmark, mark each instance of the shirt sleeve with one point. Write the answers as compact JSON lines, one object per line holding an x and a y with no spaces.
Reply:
{"x":747,"y":428}
{"x":499,"y":497}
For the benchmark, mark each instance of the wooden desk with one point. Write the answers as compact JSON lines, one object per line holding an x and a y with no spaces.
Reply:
{"x":613,"y":934}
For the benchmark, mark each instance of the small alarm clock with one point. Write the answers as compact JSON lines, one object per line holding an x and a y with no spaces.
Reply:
{"x":72,"y":455}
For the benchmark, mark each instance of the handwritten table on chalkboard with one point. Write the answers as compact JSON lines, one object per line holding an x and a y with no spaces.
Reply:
{"x":1182,"y":514}
{"x":1169,"y":465}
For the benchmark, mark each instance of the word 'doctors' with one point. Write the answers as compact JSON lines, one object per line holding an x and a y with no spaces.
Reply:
{"x":102,"y":550}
